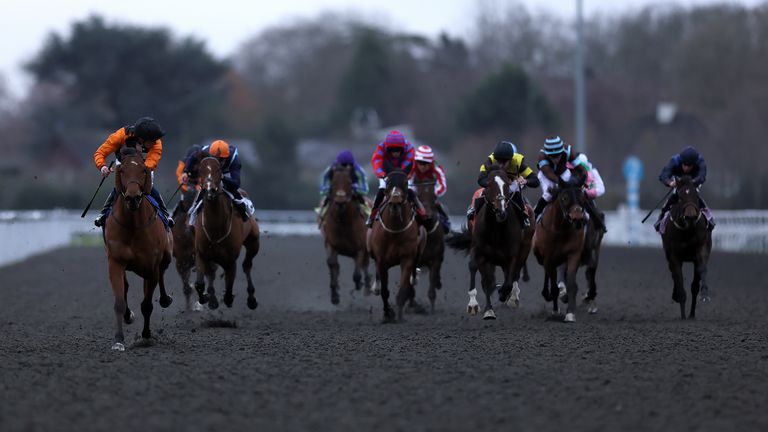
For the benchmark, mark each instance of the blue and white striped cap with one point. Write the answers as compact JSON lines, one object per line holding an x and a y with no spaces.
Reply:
{"x":553,"y":145}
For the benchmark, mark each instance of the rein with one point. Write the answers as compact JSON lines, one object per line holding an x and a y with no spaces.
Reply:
{"x":229,"y":225}
{"x":395,"y":231}
{"x":140,"y":227}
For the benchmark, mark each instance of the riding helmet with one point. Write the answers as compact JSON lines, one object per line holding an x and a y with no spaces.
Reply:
{"x":219,"y":148}
{"x":425,"y":154}
{"x":689,"y":156}
{"x":148,"y":129}
{"x":394,"y":140}
{"x":504,"y":150}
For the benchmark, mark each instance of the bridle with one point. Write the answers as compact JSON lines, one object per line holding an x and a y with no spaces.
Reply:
{"x":395,"y":192}
{"x":680,"y":220}
{"x":501,"y":197}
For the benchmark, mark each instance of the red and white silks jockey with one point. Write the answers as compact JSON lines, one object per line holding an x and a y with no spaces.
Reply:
{"x":427,"y":170}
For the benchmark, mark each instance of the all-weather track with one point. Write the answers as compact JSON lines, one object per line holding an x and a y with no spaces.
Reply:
{"x":299,"y":363}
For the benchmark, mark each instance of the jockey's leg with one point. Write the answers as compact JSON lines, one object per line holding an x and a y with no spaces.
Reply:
{"x":375,"y":209}
{"x":445,"y":221}
{"x":705,"y":208}
{"x":154,"y":193}
{"x":519,"y":205}
{"x":421,"y":214}
{"x":540,"y":205}
{"x":477,"y":203}
{"x":99,"y":222}
{"x":664,"y":209}
{"x":238,"y":200}
{"x":595,"y":214}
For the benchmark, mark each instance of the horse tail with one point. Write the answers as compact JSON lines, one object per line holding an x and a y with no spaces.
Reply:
{"x":461,"y":241}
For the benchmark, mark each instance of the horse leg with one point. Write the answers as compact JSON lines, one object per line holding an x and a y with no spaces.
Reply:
{"x":406,"y":292}
{"x":357,"y":275}
{"x":382,"y":278}
{"x":551,"y":277}
{"x":202,"y":270}
{"x":251,"y":249}
{"x":526,"y":275}
{"x":146,"y":306}
{"x":571,"y":287}
{"x":128,"y":317}
{"x":117,"y":280}
{"x":184,"y":271}
{"x":472,"y":307}
{"x":435,"y":283}
{"x":488,"y":280}
{"x":364,"y":265}
{"x":678,"y":292}
{"x":591,"y":274}
{"x":562,"y":286}
{"x":230,"y":271}
{"x":333,"y":268}
{"x":510,"y":291}
{"x":165,"y":299}
{"x":213,"y":302}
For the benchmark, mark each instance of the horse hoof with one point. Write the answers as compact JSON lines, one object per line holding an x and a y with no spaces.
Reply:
{"x":514,"y":298}
{"x":704,"y":299}
{"x":130,"y":318}
{"x":473,"y":310}
{"x":489,"y":315}
{"x":252,"y":303}
{"x":118,"y":346}
{"x":165,"y":301}
{"x":570,"y":317}
{"x":335,"y":298}
{"x":203,"y":299}
{"x":197,"y":307}
{"x":213,"y":303}
{"x":375,"y":290}
{"x":389,"y":318}
{"x":228,"y":300}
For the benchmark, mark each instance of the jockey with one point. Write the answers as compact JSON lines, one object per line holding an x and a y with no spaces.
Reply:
{"x":559,"y":162}
{"x":230,"y":169}
{"x":144,"y":135}
{"x":395,"y":152}
{"x":427,"y":170}
{"x":688,"y":162}
{"x":345,"y":158}
{"x":505,"y":155}
{"x":593,"y":186}
{"x":186,"y":182}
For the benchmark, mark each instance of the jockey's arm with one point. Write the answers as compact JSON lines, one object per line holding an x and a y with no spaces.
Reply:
{"x":482,"y":178}
{"x":531,"y":180}
{"x":325,"y":181}
{"x":666,"y":173}
{"x":701,"y":177}
{"x":232,"y":177}
{"x":441,"y":185}
{"x":109,"y":146}
{"x":153,"y":155}
{"x":361,"y":187}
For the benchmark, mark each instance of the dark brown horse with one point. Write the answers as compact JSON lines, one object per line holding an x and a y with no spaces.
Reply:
{"x":220,"y":234}
{"x":687,"y":239}
{"x":494,"y":240}
{"x":396,"y":239}
{"x":343,"y":229}
{"x":590,"y":258}
{"x":135,"y":240}
{"x":559,"y":239}
{"x":184,"y":245}
{"x":432,"y":258}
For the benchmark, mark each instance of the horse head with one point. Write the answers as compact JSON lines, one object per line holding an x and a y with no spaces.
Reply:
{"x":687,"y":211}
{"x":132,"y":178}
{"x":341,"y":185}
{"x":210,"y":177}
{"x":498,"y":194}
{"x":571,"y":200}
{"x":397,"y":190}
{"x":425,"y":190}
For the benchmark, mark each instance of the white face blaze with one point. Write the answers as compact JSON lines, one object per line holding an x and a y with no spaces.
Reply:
{"x":501,"y":184}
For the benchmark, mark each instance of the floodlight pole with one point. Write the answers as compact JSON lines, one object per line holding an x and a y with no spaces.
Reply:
{"x":580,"y":94}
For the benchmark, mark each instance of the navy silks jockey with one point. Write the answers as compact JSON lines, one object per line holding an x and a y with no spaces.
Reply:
{"x":688,"y":162}
{"x":559,"y":162}
{"x":230,"y":169}
{"x":395,"y":152}
{"x":345,"y":158}
{"x":144,"y":135}
{"x":506,"y":156}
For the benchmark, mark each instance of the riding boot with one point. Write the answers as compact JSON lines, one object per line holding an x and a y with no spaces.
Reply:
{"x":445,"y":221}
{"x":710,"y":222}
{"x":99,"y":222}
{"x":476,"y":205}
{"x":375,"y":209}
{"x":596,"y":215}
{"x":519,"y":204}
{"x":421,"y":213}
{"x":663,"y":212}
{"x":156,"y":195}
{"x":540,"y":205}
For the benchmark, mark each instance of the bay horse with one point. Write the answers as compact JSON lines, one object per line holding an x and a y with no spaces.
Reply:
{"x":220,"y":234}
{"x":396,"y":239}
{"x":687,"y":239}
{"x":434,"y":250}
{"x":558,"y":240}
{"x":493,"y":240}
{"x":136,"y":240}
{"x":343,"y":229}
{"x":590,"y":258}
{"x":184,"y":244}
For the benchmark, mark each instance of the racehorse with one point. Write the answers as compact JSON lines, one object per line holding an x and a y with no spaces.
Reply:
{"x":184,"y":243}
{"x":687,"y":239}
{"x":559,"y":239}
{"x":494,"y":240}
{"x":136,"y":240}
{"x":590,"y":258}
{"x":220,"y":234}
{"x":432,"y":258}
{"x":343,"y":230}
{"x":396,"y":239}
